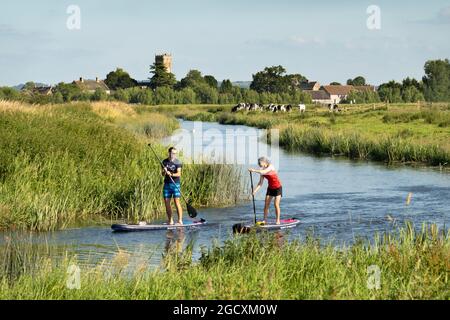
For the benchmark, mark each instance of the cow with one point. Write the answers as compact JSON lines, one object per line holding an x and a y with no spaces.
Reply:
{"x":280,"y":108}
{"x":240,"y":106}
{"x":334,"y":108}
{"x":271,"y":107}
{"x":289,"y":108}
{"x":301,"y":108}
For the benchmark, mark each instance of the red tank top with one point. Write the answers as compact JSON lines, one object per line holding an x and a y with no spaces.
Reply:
{"x":272,"y":178}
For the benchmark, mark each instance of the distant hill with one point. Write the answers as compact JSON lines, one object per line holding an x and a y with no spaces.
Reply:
{"x":20,"y":86}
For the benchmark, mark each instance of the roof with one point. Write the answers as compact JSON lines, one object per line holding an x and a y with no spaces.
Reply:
{"x":338,"y":90}
{"x":91,"y":85}
{"x":42,"y":90}
{"x":318,"y":94}
{"x":308,"y":85}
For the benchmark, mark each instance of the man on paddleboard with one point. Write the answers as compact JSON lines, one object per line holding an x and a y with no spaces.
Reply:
{"x":275,"y":190}
{"x":172,"y":169}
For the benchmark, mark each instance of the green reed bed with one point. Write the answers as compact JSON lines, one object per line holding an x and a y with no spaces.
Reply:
{"x":65,"y":163}
{"x":413,"y":264}
{"x":356,"y":145}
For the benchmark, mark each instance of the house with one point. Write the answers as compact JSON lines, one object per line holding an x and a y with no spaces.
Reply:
{"x":333,"y":94}
{"x":319,"y":96}
{"x":310,"y":86}
{"x":337,"y":93}
{"x":44,"y":90}
{"x":92,"y":85}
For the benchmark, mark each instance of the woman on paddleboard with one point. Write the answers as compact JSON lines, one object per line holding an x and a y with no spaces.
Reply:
{"x":275,"y":190}
{"x":172,"y":173}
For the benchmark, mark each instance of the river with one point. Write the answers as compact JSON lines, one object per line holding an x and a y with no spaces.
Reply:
{"x":337,"y":200}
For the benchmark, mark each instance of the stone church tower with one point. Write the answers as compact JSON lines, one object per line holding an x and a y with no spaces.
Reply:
{"x":166,"y":60}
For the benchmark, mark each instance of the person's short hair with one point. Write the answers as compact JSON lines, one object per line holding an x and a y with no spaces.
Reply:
{"x":171,"y":149}
{"x":263,"y":159}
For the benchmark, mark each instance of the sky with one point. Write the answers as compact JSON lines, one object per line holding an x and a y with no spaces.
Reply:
{"x":231,"y":39}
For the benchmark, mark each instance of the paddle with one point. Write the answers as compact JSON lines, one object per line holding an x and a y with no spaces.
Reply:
{"x":239,"y":227}
{"x":253,"y":197}
{"x":191,"y":210}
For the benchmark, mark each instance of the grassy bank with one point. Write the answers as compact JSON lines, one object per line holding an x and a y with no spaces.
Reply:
{"x":406,"y":133}
{"x":60,"y":164}
{"x":412,"y":265}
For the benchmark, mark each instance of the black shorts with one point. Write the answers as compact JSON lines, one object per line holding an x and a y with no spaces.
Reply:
{"x":275,"y":192}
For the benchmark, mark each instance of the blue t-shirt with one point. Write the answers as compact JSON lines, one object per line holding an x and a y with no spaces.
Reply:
{"x":172,"y":167}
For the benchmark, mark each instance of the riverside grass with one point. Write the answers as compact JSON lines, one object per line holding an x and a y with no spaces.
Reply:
{"x":62,"y":164}
{"x":413,"y":264}
{"x":396,"y":133}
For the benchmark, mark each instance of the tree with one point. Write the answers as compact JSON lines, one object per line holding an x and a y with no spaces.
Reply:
{"x":57,"y":98}
{"x":186,"y":96}
{"x":335,"y":83}
{"x":412,"y":94}
{"x":206,"y":94}
{"x":119,"y":79}
{"x":192,"y":79}
{"x":358,"y":81}
{"x":161,"y":78}
{"x":164,"y":95}
{"x":8,"y":93}
{"x":390,"y":92}
{"x":122,"y":95}
{"x":69,"y":91}
{"x":365,"y":96}
{"x":99,"y":95}
{"x":144,"y":96}
{"x":294,"y":80}
{"x":30,"y":85}
{"x":271,"y":79}
{"x":211,"y":81}
{"x":437,"y":80}
{"x":226,"y":86}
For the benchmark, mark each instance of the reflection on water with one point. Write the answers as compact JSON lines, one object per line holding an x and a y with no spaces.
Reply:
{"x":174,"y":241}
{"x":336,"y":199}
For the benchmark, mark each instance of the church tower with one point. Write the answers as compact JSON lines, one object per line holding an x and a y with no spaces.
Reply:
{"x":166,"y":60}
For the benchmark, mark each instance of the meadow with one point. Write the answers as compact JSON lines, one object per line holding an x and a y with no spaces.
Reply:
{"x":410,"y":264}
{"x":391,"y":133}
{"x":65,"y":164}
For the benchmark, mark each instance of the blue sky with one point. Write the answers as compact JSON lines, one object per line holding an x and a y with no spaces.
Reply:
{"x":324,"y":40}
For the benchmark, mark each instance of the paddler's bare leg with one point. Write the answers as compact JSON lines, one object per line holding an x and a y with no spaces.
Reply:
{"x":179,"y":210}
{"x":266,"y":207}
{"x":168,"y":210}
{"x":277,"y":208}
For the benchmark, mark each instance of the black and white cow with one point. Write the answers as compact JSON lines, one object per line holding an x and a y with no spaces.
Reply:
{"x":240,"y":106}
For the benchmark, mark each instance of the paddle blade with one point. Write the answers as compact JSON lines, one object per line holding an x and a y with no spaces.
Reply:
{"x":240,"y":229}
{"x":191,"y":210}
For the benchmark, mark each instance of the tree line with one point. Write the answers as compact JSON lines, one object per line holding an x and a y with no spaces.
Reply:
{"x":271,"y":85}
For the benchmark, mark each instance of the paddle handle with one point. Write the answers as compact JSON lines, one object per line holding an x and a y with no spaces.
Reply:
{"x":253,"y":197}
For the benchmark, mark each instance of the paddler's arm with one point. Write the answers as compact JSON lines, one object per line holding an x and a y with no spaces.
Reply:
{"x":177,"y":174}
{"x":260,"y":183}
{"x":262,"y":171}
